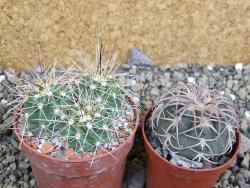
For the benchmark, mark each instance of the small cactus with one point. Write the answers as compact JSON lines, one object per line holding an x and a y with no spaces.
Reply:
{"x":194,"y":122}
{"x":82,"y":106}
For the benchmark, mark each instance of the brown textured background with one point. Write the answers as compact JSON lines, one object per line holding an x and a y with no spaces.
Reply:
{"x":169,"y":31}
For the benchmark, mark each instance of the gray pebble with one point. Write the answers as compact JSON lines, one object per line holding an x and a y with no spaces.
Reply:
{"x":133,"y":71}
{"x":246,"y":69}
{"x":126,"y":66}
{"x":1,"y":70}
{"x":135,"y":176}
{"x":149,"y":76}
{"x":240,"y":180}
{"x":242,"y":93}
{"x":10,"y":158}
{"x":246,"y":160}
{"x":12,"y":178}
{"x":245,"y":173}
{"x":155,"y":91}
{"x":235,"y":169}
{"x":14,"y":143}
{"x":225,"y":183}
{"x":5,"y":162}
{"x":1,"y":95}
{"x":183,"y":161}
{"x":136,"y":87}
{"x":11,"y":75}
{"x":13,"y":166}
{"x":245,"y":144}
{"x":138,"y":57}
{"x":158,"y":150}
{"x":226,"y":174}
{"x":178,"y":76}
{"x":154,"y":143}
{"x":32,"y":182}
{"x":1,"y":87}
{"x":23,"y":165}
{"x":230,"y":84}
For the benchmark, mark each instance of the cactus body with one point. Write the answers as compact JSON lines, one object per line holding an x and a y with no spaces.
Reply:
{"x":195,"y":122}
{"x":83,"y":111}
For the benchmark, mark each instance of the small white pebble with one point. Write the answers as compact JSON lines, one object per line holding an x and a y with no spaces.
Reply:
{"x":125,"y":124}
{"x":119,"y":124}
{"x":134,"y":67}
{"x":232,"y":96}
{"x":127,"y":130}
{"x":191,"y":80}
{"x":133,"y":82}
{"x":3,"y":101}
{"x":238,"y":66}
{"x":247,"y":114}
{"x":39,"y":150}
{"x":29,"y":134}
{"x":40,"y":146}
{"x":210,"y":67}
{"x":222,"y":92}
{"x":136,"y":99}
{"x":2,"y":77}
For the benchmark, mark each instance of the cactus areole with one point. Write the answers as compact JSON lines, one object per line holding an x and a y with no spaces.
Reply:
{"x":195,"y":122}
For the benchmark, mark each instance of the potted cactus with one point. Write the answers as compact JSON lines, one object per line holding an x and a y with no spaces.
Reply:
{"x":76,"y":125}
{"x":197,"y":134}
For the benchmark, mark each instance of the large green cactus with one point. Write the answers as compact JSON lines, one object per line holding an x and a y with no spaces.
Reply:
{"x":83,"y":111}
{"x":84,"y":105}
{"x":194,"y":122}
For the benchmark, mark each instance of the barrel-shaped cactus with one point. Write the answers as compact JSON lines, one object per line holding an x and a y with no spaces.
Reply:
{"x":83,"y":105}
{"x":195,"y":122}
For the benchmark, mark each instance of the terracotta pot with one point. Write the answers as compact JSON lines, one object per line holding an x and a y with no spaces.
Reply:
{"x":161,"y":173}
{"x":105,"y":172}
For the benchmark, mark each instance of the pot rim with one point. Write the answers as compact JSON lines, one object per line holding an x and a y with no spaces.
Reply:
{"x":163,"y":160}
{"x":136,"y":112}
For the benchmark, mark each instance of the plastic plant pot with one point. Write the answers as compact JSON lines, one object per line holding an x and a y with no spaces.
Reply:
{"x":106,"y":171}
{"x":161,"y":173}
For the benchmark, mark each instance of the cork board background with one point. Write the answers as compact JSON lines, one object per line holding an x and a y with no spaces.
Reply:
{"x":169,"y":31}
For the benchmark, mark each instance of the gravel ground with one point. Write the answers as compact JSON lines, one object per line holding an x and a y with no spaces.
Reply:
{"x":233,"y":81}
